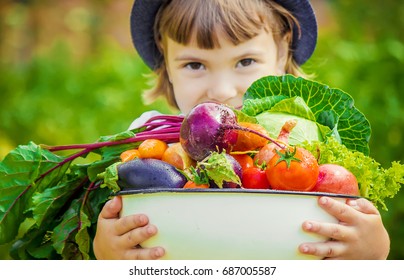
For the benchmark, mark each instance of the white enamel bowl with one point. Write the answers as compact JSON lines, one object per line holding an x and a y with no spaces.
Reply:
{"x":214,"y":224}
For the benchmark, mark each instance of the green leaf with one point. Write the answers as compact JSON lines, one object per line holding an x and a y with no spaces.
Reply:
{"x":19,"y":173}
{"x":47,"y":204}
{"x":71,"y":237}
{"x":219,"y":169}
{"x":40,"y":186}
{"x":32,"y":246}
{"x":82,"y":238}
{"x":116,"y":137}
{"x":243,"y":117}
{"x":110,"y":177}
{"x":110,"y":155}
{"x":305,"y":130}
{"x":64,"y":235}
{"x":95,"y":202}
{"x":352,"y":126}
{"x":294,"y":106}
{"x":41,"y":248}
{"x":252,"y":106}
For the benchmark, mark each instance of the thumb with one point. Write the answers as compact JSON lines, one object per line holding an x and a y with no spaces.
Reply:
{"x":112,"y":208}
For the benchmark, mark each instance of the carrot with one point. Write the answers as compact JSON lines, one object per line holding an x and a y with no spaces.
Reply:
{"x":248,"y":141}
{"x":193,"y":185}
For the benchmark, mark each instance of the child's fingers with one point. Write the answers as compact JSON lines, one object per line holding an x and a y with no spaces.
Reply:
{"x":340,"y":210}
{"x":128,"y":223}
{"x":363,"y":205}
{"x":145,"y":253}
{"x":329,"y":230}
{"x":324,"y":250}
{"x":136,"y":236}
{"x":111,"y":208}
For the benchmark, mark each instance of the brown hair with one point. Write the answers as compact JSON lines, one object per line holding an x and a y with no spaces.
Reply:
{"x":181,"y":19}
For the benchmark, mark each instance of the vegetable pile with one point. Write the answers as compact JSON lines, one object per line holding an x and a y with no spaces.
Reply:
{"x":291,"y":134}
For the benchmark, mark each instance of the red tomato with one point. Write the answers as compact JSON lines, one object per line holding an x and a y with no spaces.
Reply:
{"x":245,"y":160}
{"x":293,"y":169}
{"x":254,"y":178}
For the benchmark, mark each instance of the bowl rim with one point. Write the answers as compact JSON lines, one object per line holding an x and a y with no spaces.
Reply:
{"x":231,"y":190}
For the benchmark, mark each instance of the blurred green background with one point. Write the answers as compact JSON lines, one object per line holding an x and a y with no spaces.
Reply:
{"x":69,"y":74}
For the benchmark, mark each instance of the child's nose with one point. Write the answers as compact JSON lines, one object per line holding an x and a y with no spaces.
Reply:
{"x":222,"y":89}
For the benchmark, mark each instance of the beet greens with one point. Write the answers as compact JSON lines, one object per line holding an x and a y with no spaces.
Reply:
{"x":50,"y":203}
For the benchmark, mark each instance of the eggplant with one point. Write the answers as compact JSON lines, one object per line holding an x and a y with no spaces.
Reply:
{"x":149,"y":173}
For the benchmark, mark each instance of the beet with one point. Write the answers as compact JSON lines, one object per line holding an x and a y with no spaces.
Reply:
{"x":207,"y":128}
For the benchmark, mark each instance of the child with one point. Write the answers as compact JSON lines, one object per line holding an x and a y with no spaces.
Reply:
{"x":213,"y":50}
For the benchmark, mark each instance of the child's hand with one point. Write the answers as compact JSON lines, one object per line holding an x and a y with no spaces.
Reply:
{"x":118,"y":238}
{"x":360,"y":233}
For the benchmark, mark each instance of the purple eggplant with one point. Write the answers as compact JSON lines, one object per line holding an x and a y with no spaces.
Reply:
{"x":149,"y":173}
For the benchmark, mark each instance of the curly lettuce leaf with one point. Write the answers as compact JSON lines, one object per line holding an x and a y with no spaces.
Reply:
{"x":330,"y":107}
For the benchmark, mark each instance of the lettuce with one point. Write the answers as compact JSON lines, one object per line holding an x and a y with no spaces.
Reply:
{"x":307,"y":129}
{"x":325,"y":106}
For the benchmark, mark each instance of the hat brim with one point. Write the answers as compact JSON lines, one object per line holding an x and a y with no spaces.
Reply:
{"x":303,"y":43}
{"x":144,"y":12}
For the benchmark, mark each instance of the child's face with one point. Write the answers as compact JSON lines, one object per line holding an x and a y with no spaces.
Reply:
{"x":221,"y":74}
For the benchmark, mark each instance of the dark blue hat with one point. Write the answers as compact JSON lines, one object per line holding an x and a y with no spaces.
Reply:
{"x":144,"y":13}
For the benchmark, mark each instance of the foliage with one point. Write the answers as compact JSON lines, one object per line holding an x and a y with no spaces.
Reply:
{"x":60,"y":198}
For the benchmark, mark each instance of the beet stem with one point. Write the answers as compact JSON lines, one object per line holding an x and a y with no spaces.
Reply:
{"x":168,"y":137}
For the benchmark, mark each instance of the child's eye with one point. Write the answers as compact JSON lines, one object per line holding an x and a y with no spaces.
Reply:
{"x":194,"y":66}
{"x":245,"y":62}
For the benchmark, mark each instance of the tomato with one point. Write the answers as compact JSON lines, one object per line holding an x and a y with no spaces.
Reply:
{"x":245,"y":160}
{"x":254,"y":178}
{"x":293,"y":168}
{"x":193,"y":185}
{"x":152,"y":148}
{"x":247,"y":141}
